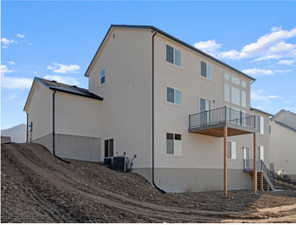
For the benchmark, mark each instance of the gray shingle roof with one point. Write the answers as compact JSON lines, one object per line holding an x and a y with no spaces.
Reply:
{"x":71,"y":89}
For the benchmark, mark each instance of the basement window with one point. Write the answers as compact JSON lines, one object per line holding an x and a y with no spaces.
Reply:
{"x":173,"y":144}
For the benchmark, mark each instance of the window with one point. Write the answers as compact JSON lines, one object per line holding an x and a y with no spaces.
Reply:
{"x":261,"y":125}
{"x":102,"y":76}
{"x":109,"y":147}
{"x":235,"y":95}
{"x":261,"y":152}
{"x":226,"y":92}
{"x":246,"y":155}
{"x":246,"y":152}
{"x":232,"y":150}
{"x":174,"y":95}
{"x":173,"y":55}
{"x":226,"y":76}
{"x":204,"y":104}
{"x":31,"y":127}
{"x":173,"y":144}
{"x":206,"y":70}
{"x":243,"y":99}
{"x":235,"y":80}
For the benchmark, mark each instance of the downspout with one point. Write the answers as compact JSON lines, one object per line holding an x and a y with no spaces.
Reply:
{"x":153,"y":154}
{"x":53,"y":128}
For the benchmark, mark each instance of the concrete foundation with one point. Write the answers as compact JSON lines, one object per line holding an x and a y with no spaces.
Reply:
{"x":73,"y":147}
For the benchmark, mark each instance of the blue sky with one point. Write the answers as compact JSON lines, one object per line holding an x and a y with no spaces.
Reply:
{"x":57,"y":40}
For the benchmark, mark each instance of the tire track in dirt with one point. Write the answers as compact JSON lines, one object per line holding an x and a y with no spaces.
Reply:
{"x":56,"y":180}
{"x":117,"y":197}
{"x":63,"y":178}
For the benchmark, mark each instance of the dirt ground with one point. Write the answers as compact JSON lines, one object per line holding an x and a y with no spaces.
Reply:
{"x":37,"y":187}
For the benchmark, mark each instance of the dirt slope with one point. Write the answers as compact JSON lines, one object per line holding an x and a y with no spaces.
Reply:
{"x":36,"y":187}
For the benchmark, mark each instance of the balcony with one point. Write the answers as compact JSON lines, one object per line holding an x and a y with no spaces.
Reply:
{"x":213,"y":122}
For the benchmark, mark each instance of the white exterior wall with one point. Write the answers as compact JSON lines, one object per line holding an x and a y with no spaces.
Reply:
{"x":77,"y":115}
{"x":126,"y":109}
{"x":199,"y":151}
{"x":40,"y":111}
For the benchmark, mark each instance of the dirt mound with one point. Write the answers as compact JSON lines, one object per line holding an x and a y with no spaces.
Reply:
{"x":37,"y":187}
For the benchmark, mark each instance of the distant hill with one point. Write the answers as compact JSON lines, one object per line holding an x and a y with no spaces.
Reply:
{"x":17,"y":133}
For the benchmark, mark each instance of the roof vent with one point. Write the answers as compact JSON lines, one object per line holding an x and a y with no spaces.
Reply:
{"x":74,"y":86}
{"x":54,"y":81}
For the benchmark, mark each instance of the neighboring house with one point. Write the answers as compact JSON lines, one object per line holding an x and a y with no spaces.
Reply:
{"x":16,"y":133}
{"x":283,"y":143}
{"x":167,"y":104}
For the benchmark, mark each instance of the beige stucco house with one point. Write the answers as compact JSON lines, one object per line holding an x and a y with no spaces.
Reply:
{"x":283,"y":143}
{"x":184,"y":115}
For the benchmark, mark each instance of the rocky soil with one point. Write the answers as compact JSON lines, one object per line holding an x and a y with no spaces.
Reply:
{"x":37,"y":187}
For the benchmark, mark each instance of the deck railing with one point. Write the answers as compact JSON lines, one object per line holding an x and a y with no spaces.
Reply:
{"x":222,"y":116}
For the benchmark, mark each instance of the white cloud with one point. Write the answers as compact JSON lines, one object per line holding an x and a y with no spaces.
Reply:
{"x":61,"y":68}
{"x":11,"y":62}
{"x":15,"y":82}
{"x":286,"y":62}
{"x":259,"y":95}
{"x":268,"y":46}
{"x":6,"y":42}
{"x":210,"y":46}
{"x":4,"y":69}
{"x":62,"y":79}
{"x":20,"y":35}
{"x":257,"y":71}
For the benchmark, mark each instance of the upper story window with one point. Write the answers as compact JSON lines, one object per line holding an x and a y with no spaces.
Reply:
{"x":232,"y":93}
{"x":206,"y":70}
{"x":243,"y":99}
{"x":235,"y":96}
{"x":235,"y":80}
{"x":174,"y":95}
{"x":102,"y":76}
{"x":226,"y":76}
{"x":173,"y":55}
{"x":227,"y":92}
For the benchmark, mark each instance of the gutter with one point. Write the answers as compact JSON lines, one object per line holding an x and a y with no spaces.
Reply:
{"x":153,"y":150}
{"x":53,"y":129}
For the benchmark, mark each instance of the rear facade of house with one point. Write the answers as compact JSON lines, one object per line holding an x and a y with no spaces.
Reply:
{"x":164,"y":104}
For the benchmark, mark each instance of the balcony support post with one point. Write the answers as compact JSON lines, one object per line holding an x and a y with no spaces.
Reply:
{"x":254,"y":164}
{"x":225,"y":163}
